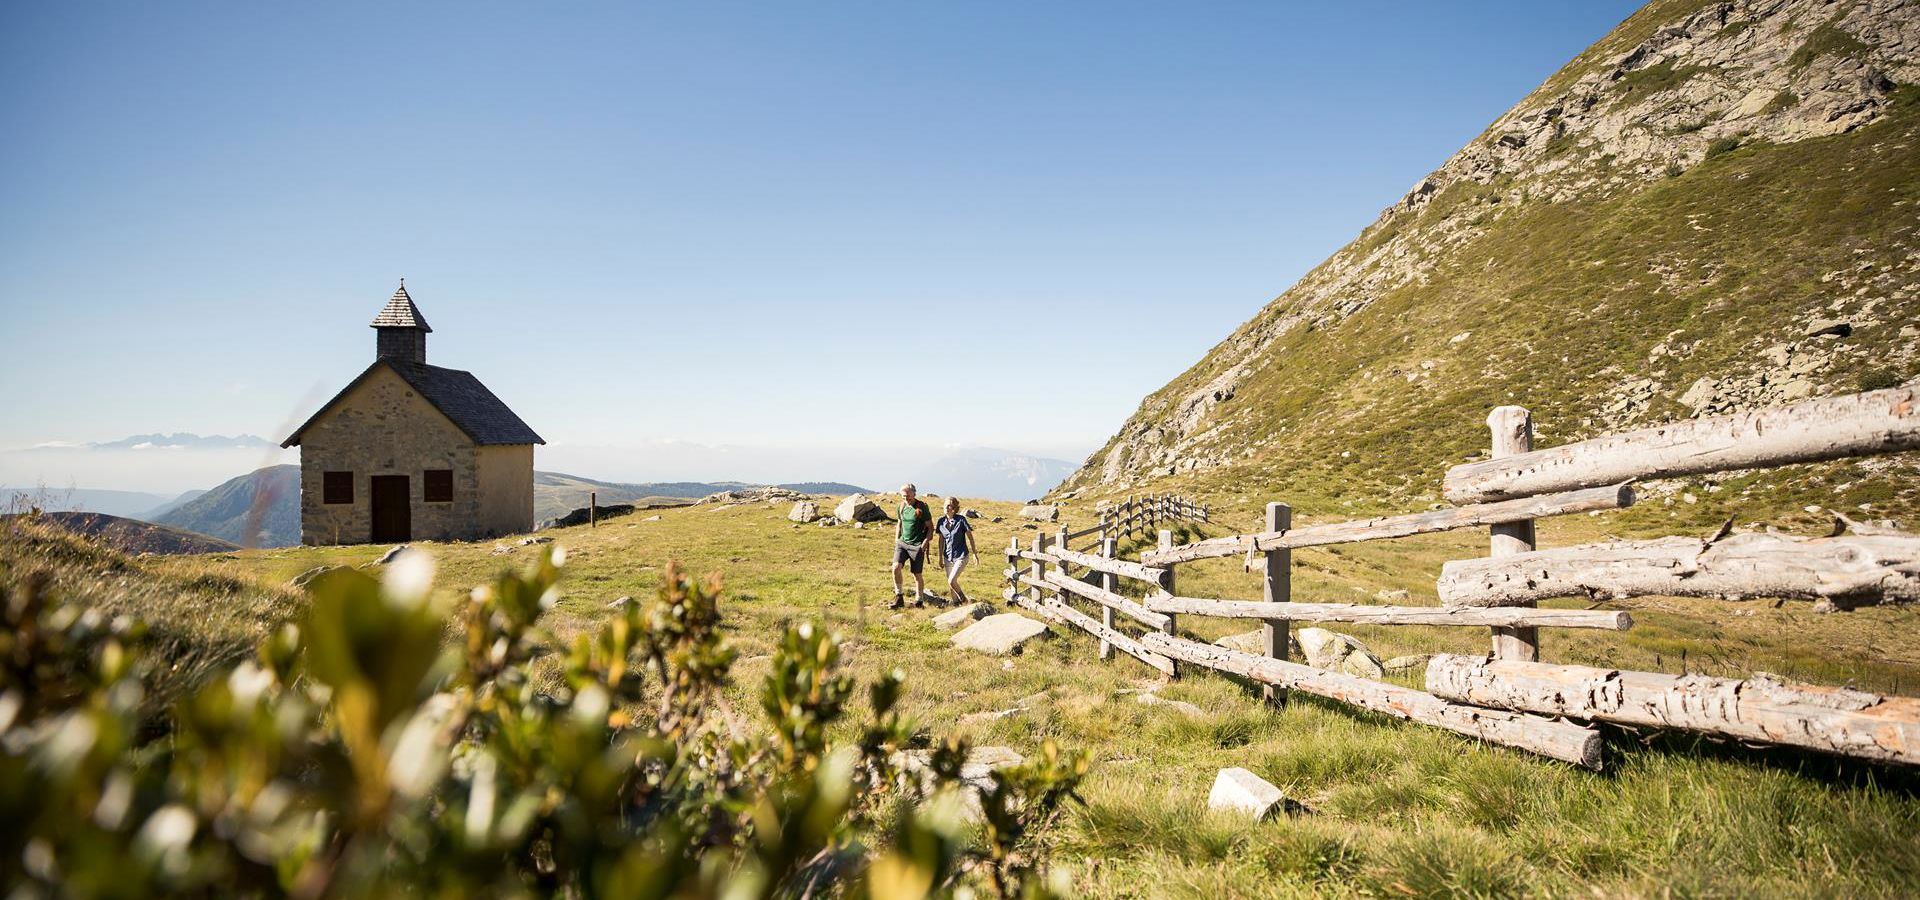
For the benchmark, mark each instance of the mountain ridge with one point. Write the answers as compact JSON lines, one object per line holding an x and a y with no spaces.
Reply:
{"x":1710,"y":209}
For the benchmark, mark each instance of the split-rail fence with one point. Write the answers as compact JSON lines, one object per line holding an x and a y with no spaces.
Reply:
{"x":1510,"y":696}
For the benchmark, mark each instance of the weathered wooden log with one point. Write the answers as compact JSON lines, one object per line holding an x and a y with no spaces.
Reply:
{"x":1121,"y":567}
{"x":1055,"y":611}
{"x":1124,"y":605}
{"x":1277,"y":590}
{"x":1511,"y":430}
{"x":1094,"y":529}
{"x":1617,"y":496}
{"x":1849,"y":571}
{"x":1559,"y":740}
{"x":1479,"y":617}
{"x":1107,"y":583}
{"x":1831,"y":428}
{"x":1761,"y":709}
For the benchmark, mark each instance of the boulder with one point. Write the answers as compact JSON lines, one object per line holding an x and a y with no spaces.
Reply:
{"x":1254,"y":641}
{"x":1408,"y":663}
{"x":999,"y":635}
{"x":961,"y":615}
{"x":977,"y":771}
{"x":803,"y":512}
{"x":1240,"y":791}
{"x":530,"y":541}
{"x":304,"y":578}
{"x":970,"y":513}
{"x":392,"y":554}
{"x":1338,"y":652}
{"x":857,"y":508}
{"x":1040,"y":512}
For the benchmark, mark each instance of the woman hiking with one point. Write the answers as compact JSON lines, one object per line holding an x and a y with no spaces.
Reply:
{"x":956,"y":546}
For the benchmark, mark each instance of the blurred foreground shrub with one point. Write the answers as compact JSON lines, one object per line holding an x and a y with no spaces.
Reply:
{"x":364,"y":754}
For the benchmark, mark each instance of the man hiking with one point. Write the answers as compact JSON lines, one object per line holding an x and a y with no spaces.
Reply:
{"x":910,"y":545}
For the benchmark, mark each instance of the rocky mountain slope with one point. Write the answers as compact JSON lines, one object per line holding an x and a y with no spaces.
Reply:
{"x":1715,"y":207}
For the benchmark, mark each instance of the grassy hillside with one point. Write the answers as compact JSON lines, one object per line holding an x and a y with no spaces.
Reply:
{"x":133,"y":535}
{"x":258,"y":509}
{"x":1640,"y":240}
{"x":1398,"y":809}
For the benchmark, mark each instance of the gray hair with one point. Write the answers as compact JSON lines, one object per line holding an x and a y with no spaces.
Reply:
{"x":908,"y":487}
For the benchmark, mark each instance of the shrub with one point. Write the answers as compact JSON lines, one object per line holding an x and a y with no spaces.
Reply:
{"x":362,"y":754}
{"x":1722,"y":145}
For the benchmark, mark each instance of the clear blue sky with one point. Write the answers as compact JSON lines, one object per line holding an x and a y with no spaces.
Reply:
{"x":830,"y":224}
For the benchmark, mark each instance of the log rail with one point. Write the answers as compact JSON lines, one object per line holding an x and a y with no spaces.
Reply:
{"x":1506,"y":697}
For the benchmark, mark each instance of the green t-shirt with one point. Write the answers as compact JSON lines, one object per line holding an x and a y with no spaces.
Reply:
{"x":915,"y":520}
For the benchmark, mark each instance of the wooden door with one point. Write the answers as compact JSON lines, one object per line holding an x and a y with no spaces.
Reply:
{"x":392,"y":509}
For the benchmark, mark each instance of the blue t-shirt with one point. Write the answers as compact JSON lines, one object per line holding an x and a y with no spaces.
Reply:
{"x":953,"y":536}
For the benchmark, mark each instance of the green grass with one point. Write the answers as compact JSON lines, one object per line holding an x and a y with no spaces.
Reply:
{"x":1826,"y":40}
{"x":1397,"y":809}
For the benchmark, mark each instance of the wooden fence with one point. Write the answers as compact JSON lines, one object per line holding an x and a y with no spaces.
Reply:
{"x":1509,"y":696}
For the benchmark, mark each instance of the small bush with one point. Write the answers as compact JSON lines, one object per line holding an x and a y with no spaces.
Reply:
{"x":1722,"y":146}
{"x":361,"y":754}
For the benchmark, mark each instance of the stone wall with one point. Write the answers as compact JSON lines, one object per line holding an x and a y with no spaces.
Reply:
{"x":382,"y":427}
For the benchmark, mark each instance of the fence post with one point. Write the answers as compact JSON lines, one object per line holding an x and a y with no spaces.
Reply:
{"x":1512,"y":428}
{"x":1013,"y":564}
{"x":1279,"y":589}
{"x":593,"y":509}
{"x":1039,"y":568}
{"x":1107,"y":583}
{"x":1166,"y":583}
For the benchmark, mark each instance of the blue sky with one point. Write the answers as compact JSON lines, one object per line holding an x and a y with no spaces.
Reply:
{"x":847,"y":227}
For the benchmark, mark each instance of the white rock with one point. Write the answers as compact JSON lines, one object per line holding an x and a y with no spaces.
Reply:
{"x":1180,"y":706}
{"x":1254,"y":641}
{"x":1041,"y":512}
{"x":961,"y":615}
{"x":999,"y":635}
{"x":393,"y":554}
{"x":857,"y":508}
{"x":1408,"y":662}
{"x":1241,"y":791}
{"x":803,"y":512}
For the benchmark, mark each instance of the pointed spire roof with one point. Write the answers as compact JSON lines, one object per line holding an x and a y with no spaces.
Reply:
{"x":401,"y":313}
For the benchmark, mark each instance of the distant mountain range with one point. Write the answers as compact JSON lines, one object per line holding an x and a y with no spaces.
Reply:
{"x":555,"y":493}
{"x":992,"y":474}
{"x":186,"y":441}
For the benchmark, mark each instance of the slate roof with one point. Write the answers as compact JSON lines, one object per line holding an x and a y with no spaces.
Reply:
{"x":401,"y":313}
{"x":456,"y":394}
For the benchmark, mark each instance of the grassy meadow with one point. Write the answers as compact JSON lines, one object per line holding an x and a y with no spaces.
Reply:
{"x":1396,"y":809}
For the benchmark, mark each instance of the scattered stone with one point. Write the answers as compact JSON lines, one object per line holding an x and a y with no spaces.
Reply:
{"x":1180,"y":706}
{"x":751,"y":495}
{"x":619,"y":602}
{"x":1338,"y":652}
{"x":827,"y":521}
{"x":997,"y":519}
{"x":999,"y":635}
{"x":392,"y":554}
{"x":857,"y":508}
{"x":1239,"y":790}
{"x":1040,"y":512}
{"x":652,"y":518}
{"x":961,"y":615}
{"x":859,"y":524}
{"x":803,"y":512}
{"x":1408,"y":662}
{"x":1254,"y":641}
{"x":1833,"y":327}
{"x":500,"y":550}
{"x":530,"y":541}
{"x":305,"y":578}
{"x":1393,"y":595}
{"x":971,"y":513}
{"x":977,"y":771}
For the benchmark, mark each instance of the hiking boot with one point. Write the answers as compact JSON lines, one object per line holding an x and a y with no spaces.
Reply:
{"x":899,"y":600}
